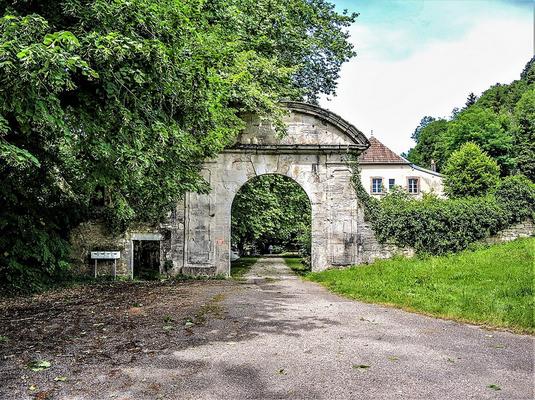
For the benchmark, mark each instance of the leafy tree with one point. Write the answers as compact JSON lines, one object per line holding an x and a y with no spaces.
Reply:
{"x":528,"y":74}
{"x":109,"y":108}
{"x":307,"y":35}
{"x":423,"y":123}
{"x":503,"y":98}
{"x":485,"y":128}
{"x":455,"y":112}
{"x":524,"y":134}
{"x":430,"y":145}
{"x":471,"y":100}
{"x":470,"y":172}
{"x":490,"y":120}
{"x":271,"y":209}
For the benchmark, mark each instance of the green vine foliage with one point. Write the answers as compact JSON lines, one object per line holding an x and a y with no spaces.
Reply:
{"x":434,"y":225}
{"x":516,"y":197}
{"x":369,"y":204}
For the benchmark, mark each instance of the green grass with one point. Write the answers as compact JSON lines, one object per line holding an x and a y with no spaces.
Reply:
{"x":491,"y":286}
{"x":289,"y":254}
{"x":296,"y":264}
{"x":241,"y":266}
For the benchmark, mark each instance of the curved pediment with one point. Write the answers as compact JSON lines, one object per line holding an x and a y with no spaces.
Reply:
{"x":310,"y":128}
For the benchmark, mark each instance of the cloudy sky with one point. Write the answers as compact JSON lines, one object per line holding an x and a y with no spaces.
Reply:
{"x":423,"y":57}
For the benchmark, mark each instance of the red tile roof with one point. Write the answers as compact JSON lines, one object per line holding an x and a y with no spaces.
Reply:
{"x":378,"y":153}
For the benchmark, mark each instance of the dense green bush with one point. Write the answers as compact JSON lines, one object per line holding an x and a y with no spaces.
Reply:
{"x":437,"y":225}
{"x":470,"y":172}
{"x":516,"y":196}
{"x":34,"y":256}
{"x":434,"y":225}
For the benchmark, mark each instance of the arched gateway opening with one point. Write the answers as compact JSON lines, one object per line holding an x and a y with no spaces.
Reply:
{"x":271,"y":214}
{"x":316,"y":153}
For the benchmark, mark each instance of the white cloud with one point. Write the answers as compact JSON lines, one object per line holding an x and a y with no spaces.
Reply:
{"x":390,"y":96}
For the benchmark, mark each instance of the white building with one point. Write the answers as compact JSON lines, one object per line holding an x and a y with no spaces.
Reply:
{"x":381,"y":169}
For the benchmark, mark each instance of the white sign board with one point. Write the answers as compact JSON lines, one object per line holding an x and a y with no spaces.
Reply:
{"x":105,"y":255}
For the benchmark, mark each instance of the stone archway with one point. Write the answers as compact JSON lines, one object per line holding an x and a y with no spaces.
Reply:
{"x":314,"y":153}
{"x":290,"y":186}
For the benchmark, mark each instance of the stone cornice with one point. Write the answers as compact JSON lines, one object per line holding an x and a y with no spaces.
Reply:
{"x":296,"y":149}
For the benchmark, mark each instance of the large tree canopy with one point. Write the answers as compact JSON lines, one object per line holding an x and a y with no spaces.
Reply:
{"x":524,"y":134}
{"x":485,"y":128}
{"x":500,"y":122}
{"x":431,"y":144}
{"x":108,"y":107}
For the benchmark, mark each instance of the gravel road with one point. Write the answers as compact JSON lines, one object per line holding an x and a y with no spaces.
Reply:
{"x":275,"y":336}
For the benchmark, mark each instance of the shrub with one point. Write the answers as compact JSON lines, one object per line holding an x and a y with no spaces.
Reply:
{"x":470,"y":172}
{"x":32,"y":257}
{"x":516,"y":196}
{"x":434,"y":225}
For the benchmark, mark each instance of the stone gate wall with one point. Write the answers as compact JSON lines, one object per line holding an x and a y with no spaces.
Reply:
{"x":315,"y":153}
{"x":92,"y":236}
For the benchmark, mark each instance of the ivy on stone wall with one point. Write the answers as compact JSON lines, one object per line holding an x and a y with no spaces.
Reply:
{"x":369,"y":204}
{"x":435,"y":225}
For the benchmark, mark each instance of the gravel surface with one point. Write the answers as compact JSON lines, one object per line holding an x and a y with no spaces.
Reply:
{"x":273,"y":336}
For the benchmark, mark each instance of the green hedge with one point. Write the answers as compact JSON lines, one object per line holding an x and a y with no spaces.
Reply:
{"x":436,"y":226}
{"x":516,"y":197}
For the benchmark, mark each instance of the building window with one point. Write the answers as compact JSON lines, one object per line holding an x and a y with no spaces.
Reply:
{"x":377,"y":185}
{"x":391,"y":183}
{"x":413,"y":185}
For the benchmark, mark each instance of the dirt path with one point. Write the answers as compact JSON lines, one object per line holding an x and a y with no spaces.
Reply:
{"x":276,"y":338}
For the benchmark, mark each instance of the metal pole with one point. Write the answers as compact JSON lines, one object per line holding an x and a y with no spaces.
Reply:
{"x":114,"y":268}
{"x":95,"y":268}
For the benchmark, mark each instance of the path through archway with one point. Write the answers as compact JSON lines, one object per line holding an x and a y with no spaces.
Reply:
{"x":271,"y":214}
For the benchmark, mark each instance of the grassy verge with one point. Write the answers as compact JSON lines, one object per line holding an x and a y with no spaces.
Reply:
{"x":289,"y":254}
{"x":491,"y":286}
{"x":296,"y":265}
{"x":241,"y":266}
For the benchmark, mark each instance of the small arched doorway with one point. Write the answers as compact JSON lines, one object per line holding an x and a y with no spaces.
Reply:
{"x":271,"y":214}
